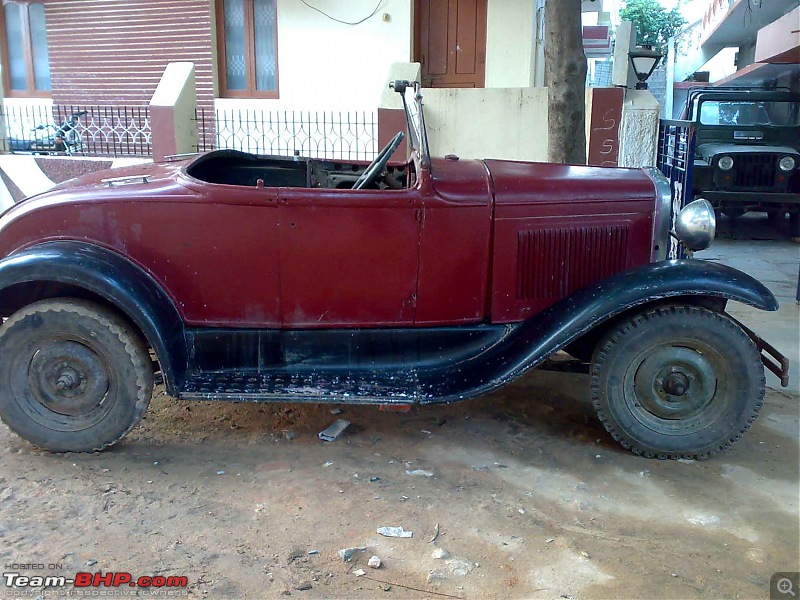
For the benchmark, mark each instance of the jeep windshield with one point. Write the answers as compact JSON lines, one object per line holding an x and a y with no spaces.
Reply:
{"x":773,"y":113}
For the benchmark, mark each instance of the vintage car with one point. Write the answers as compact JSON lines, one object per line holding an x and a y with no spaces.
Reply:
{"x":747,"y":150}
{"x":420,"y":281}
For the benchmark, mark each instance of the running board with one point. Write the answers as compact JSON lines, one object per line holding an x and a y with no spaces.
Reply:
{"x":336,"y":386}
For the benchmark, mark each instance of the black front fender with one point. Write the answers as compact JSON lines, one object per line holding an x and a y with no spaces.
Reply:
{"x":531,"y":342}
{"x":114,"y":278}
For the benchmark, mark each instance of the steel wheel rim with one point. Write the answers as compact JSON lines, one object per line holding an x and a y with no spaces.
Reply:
{"x":678,"y":388}
{"x":68,"y":378}
{"x":63,"y":383}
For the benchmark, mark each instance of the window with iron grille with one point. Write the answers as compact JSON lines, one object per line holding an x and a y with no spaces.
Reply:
{"x":248,"y":48}
{"x":23,"y":48}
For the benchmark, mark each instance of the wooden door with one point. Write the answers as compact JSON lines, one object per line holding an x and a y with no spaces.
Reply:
{"x":450,"y":42}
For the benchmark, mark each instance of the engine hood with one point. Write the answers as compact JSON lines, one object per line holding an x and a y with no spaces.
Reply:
{"x":517,"y":183}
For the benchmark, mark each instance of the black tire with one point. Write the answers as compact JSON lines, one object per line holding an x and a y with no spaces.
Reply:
{"x":74,"y":376}
{"x":794,"y":226}
{"x":776,"y":217}
{"x":583,"y":347}
{"x":677,"y":382}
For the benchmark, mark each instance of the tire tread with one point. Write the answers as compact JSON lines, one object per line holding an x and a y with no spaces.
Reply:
{"x":130,"y":341}
{"x":612,"y":340}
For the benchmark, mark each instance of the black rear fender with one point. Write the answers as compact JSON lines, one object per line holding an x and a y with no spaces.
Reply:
{"x":69,"y":268}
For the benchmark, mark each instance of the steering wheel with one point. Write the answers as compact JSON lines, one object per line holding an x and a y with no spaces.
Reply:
{"x":376,"y":167}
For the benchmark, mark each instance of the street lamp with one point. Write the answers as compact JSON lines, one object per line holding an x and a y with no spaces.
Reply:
{"x":644,"y":60}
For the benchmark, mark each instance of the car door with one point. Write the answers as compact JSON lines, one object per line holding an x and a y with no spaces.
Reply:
{"x":348,"y":258}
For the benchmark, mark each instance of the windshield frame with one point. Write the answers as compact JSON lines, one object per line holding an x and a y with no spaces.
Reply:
{"x":411,"y":95}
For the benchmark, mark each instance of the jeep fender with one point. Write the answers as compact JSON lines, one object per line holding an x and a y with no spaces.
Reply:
{"x":112,"y":277}
{"x":534,"y":340}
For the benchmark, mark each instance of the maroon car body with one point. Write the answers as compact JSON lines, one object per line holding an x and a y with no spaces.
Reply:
{"x":462,"y":245}
{"x":266,"y":278}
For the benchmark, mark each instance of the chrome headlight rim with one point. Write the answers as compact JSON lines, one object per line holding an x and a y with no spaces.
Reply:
{"x":696,"y":225}
{"x":725,"y":163}
{"x":787,"y":163}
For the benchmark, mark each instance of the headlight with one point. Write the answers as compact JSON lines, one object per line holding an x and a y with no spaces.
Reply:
{"x":696,"y":225}
{"x":787,"y":163}
{"x":725,"y":163}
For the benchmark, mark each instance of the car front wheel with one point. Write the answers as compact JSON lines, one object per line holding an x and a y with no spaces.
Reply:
{"x":677,"y":382}
{"x":74,"y":376}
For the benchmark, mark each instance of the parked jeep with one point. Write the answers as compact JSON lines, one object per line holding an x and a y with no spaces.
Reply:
{"x":747,"y":150}
{"x":428,"y":280}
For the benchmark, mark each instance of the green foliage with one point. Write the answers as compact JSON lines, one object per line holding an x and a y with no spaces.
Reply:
{"x":654,"y":24}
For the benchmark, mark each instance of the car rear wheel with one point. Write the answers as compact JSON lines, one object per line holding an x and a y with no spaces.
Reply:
{"x":677,"y":382}
{"x":74,"y":376}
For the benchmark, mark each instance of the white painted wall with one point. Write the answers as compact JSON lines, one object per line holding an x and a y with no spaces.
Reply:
{"x":172,"y":112}
{"x":509,"y":43}
{"x":508,"y":123}
{"x":324,"y":65}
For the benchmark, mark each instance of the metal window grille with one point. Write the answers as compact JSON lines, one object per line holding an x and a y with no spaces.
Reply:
{"x":97,"y":131}
{"x":310,"y":134}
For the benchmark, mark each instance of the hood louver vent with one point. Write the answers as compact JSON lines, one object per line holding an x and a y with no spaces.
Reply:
{"x":554,"y":263}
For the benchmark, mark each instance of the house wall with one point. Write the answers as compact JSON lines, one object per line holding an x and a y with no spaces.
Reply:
{"x":114,"y":51}
{"x":324,"y":65}
{"x":509,"y":43}
{"x":746,"y":55}
{"x":330,"y":66}
{"x":509,"y":123}
{"x":778,"y":42}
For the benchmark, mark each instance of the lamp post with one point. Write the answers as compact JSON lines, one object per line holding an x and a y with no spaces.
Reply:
{"x":644,"y":60}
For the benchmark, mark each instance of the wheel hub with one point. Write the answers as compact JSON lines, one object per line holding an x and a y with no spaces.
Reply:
{"x":68,"y":378}
{"x":675,"y":382}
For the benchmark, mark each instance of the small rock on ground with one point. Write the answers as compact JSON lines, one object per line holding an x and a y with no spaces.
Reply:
{"x":440,"y":553}
{"x":347,"y":554}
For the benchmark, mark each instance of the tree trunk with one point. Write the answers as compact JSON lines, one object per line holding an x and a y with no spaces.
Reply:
{"x":565,"y":77}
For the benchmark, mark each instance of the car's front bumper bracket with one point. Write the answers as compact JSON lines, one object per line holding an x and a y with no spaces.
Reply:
{"x":770,"y":356}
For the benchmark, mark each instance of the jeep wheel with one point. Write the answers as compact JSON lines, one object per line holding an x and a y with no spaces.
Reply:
{"x":678,"y":382}
{"x":73,"y":376}
{"x":794,"y":226}
{"x":776,"y":217}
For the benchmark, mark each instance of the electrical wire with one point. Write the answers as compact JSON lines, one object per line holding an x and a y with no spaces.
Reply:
{"x":322,"y":12}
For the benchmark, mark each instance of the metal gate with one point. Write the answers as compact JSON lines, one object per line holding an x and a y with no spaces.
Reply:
{"x":676,"y":142}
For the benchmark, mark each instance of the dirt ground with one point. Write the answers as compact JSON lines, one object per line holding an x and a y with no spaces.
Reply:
{"x":532,"y":499}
